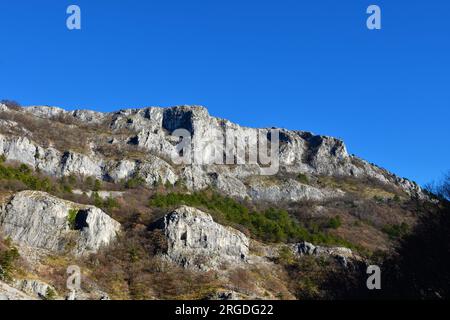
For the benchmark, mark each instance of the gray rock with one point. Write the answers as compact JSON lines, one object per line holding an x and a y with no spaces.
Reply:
{"x":287,"y":191}
{"x":156,"y":171}
{"x":224,"y":295}
{"x":35,"y":288}
{"x":196,"y":241}
{"x":342,"y":254}
{"x":305,"y":248}
{"x":45,"y":111}
{"x":82,"y":165}
{"x":9,"y":293}
{"x":37,"y":219}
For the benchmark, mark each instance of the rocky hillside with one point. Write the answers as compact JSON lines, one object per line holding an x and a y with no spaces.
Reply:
{"x":102,"y":191}
{"x":137,"y":143}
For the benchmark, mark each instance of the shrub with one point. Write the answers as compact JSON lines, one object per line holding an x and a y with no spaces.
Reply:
{"x":97,"y":185}
{"x":334,"y":222}
{"x":396,"y":231}
{"x":71,"y":218}
{"x":26,"y":176}
{"x":98,"y":202}
{"x":89,"y":183}
{"x":134,"y":183}
{"x":8,"y":257}
{"x":303,"y":178}
{"x":50,"y":294}
{"x":110,"y":203}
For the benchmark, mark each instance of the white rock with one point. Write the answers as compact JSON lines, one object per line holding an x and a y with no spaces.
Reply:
{"x":287,"y":191}
{"x":196,"y":241}
{"x":35,"y":288}
{"x":9,"y":293}
{"x":40,"y":220}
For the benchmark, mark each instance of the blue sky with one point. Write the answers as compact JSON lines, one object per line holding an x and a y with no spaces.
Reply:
{"x":309,"y":65}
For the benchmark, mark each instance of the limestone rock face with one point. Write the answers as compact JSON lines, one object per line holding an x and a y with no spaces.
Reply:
{"x":196,"y":241}
{"x":37,"y":219}
{"x":82,"y":165}
{"x":35,"y":288}
{"x":150,"y":130}
{"x":288,"y":191}
{"x":9,"y":293}
{"x":305,"y":248}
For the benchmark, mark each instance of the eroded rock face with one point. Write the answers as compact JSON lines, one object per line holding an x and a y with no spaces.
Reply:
{"x":35,"y":288}
{"x":196,"y":241}
{"x":288,"y":191}
{"x":150,"y":129}
{"x":342,"y":254}
{"x":9,"y":293}
{"x":39,"y":220}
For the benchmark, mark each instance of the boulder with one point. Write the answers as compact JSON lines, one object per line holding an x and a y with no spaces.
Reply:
{"x":342,"y":254}
{"x":195,"y":241}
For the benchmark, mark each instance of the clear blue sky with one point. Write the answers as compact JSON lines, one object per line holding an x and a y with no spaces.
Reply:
{"x":309,"y":65}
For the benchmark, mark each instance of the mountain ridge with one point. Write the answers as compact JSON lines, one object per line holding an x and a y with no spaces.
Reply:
{"x":149,"y":129}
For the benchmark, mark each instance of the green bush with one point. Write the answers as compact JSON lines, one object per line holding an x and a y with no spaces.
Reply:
{"x":134,"y":183}
{"x":98,"y":201}
{"x":8,"y":257}
{"x":334,"y":222}
{"x":71,"y":218}
{"x":97,"y":185}
{"x":303,"y":178}
{"x":25,"y":175}
{"x":107,"y":204}
{"x":50,"y":294}
{"x":110,"y":203}
{"x":396,"y":231}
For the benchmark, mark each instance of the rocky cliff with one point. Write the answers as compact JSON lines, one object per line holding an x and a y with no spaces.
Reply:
{"x":39,"y":220}
{"x":196,"y":241}
{"x":143,"y":138}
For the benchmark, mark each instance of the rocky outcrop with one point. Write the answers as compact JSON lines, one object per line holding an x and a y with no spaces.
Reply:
{"x":150,"y":130}
{"x":287,"y":191}
{"x":9,"y":293}
{"x":195,"y":241}
{"x":39,"y":220}
{"x":36,"y":288}
{"x":342,"y":254}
